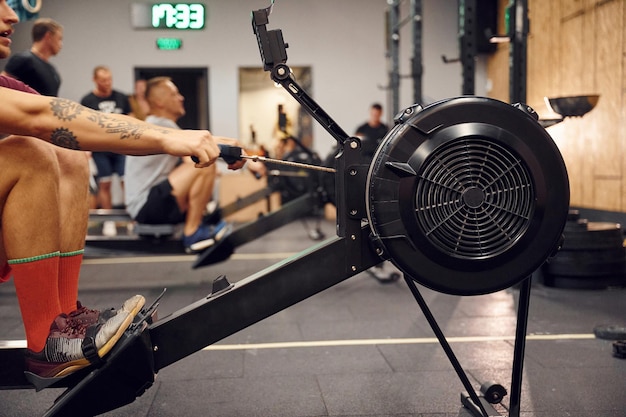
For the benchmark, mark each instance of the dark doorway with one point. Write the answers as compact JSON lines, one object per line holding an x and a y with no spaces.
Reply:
{"x":193,"y":85}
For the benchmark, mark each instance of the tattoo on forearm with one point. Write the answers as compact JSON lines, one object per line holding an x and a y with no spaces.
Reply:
{"x":65,"y":110}
{"x":64,"y":138}
{"x":126,"y":129}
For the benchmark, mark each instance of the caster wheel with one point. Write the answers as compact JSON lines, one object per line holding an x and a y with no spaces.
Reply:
{"x":493,"y":393}
{"x":619,"y":349}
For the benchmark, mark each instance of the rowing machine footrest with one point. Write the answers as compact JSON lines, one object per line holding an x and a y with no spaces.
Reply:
{"x":127,"y":372}
{"x":467,"y":402}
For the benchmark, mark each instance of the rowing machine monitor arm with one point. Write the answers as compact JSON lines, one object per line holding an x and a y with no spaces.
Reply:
{"x":350,"y":173}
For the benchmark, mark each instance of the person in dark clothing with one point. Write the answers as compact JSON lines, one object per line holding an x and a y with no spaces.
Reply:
{"x":32,"y":67}
{"x":372,"y":131}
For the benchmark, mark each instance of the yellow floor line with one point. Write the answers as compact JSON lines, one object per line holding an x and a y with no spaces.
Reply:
{"x":407,"y":341}
{"x":12,"y":344}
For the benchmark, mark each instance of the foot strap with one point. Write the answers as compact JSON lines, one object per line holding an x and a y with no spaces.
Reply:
{"x":89,"y":348}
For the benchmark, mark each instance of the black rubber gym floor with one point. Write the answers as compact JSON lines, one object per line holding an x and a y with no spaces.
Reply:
{"x":361,"y":348}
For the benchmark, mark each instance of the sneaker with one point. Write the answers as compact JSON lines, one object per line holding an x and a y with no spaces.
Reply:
{"x":71,"y":335}
{"x":205,"y":236}
{"x":109,"y":228}
{"x":88,"y":316}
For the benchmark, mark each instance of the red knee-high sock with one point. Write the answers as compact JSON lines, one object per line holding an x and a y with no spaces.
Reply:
{"x":69,"y":271}
{"x":36,"y":286}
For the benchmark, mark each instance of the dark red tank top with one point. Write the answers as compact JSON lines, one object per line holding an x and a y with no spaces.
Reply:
{"x":14,"y":84}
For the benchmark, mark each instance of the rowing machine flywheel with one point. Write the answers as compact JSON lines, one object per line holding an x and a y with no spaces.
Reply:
{"x":468,"y":195}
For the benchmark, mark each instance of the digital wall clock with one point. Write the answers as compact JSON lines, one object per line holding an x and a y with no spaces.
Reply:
{"x":176,"y":16}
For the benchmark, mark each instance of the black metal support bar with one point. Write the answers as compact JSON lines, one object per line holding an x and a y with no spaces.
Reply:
{"x":245,"y":201}
{"x":520,"y":347}
{"x":282,"y":75}
{"x":248,"y":232}
{"x":289,"y":212}
{"x":255,"y":298}
{"x":393,"y":48}
{"x":416,"y":61}
{"x":445,"y":345}
{"x":468,"y":39}
{"x":518,"y":34}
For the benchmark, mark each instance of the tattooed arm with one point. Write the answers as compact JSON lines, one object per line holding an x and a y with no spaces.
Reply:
{"x":68,"y":124}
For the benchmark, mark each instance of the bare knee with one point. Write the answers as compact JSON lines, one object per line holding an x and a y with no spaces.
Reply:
{"x":20,"y":155}
{"x":73,"y":164}
{"x":29,"y":184}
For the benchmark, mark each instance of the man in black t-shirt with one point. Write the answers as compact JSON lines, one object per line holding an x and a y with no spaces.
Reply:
{"x":107,"y":100}
{"x":372,"y":132}
{"x":32,"y":67}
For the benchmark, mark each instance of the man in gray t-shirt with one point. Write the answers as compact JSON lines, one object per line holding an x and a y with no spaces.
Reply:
{"x":162,"y":189}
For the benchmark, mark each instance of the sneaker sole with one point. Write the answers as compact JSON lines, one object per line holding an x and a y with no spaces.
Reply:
{"x":202,"y":245}
{"x":132,"y":307}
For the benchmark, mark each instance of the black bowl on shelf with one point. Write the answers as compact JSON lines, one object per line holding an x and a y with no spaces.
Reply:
{"x":573,"y":106}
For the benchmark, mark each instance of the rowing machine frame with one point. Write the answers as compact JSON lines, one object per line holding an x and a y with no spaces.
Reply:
{"x":148,"y":347}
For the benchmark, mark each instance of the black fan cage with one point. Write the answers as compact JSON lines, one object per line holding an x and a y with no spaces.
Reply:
{"x":474,"y":198}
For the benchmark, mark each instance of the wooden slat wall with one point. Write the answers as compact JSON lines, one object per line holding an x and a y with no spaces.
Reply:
{"x":577,"y":47}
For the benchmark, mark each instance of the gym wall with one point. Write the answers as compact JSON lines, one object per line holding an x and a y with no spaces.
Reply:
{"x":576,"y":47}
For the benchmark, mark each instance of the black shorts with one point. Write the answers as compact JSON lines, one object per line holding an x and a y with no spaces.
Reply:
{"x":161,"y":206}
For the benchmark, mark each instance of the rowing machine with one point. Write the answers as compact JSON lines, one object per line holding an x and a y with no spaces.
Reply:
{"x":466,"y":196}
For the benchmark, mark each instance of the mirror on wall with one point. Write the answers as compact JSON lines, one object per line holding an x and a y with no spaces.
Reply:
{"x":267,"y":113}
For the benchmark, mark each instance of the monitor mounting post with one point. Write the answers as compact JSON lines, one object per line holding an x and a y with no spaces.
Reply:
{"x":273,"y":51}
{"x":350,"y":172}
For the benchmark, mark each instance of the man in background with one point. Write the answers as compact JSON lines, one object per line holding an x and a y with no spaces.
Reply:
{"x":107,"y":100}
{"x":32,"y":67}
{"x":372,"y":131}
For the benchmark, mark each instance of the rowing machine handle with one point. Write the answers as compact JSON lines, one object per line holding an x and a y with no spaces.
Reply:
{"x":230,"y":154}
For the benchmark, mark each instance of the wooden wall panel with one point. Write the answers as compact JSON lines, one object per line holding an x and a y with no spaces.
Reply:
{"x":576,"y":47}
{"x":497,"y":68}
{"x":608,"y":71}
{"x":571,"y":152}
{"x":571,"y":7}
{"x":607,"y":194}
{"x":542,"y":41}
{"x":567,"y":44}
{"x":498,"y":62}
{"x":571,"y":55}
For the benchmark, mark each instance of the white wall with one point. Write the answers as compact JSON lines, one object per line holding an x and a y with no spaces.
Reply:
{"x":342,"y":40}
